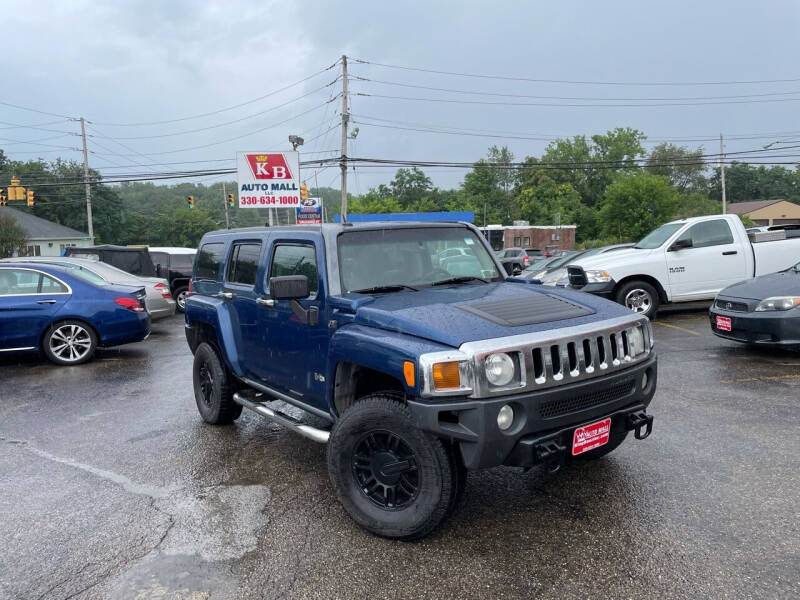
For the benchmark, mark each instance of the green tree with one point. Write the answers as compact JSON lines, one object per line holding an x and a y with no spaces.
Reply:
{"x":744,"y":182}
{"x":685,"y":168}
{"x":635,"y":204}
{"x":591,"y":166}
{"x":409,"y":186}
{"x":12,"y":237}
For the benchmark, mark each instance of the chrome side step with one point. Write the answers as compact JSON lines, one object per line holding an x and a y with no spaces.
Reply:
{"x":312,"y":433}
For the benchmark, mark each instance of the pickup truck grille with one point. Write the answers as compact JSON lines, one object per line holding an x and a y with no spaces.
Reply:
{"x":558,"y":357}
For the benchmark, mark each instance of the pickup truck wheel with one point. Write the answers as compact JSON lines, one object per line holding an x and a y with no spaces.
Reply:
{"x":392,"y":478}
{"x":213,"y":388}
{"x":612,"y":444}
{"x":640,"y":297}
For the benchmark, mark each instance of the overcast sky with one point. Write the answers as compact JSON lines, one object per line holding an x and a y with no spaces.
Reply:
{"x":138,"y":62}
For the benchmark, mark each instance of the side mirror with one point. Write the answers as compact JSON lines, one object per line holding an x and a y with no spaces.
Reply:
{"x":680,"y":245}
{"x":288,"y":287}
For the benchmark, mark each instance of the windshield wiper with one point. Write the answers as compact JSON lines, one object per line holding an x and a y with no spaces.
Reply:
{"x":460,"y":280}
{"x":379,"y":289}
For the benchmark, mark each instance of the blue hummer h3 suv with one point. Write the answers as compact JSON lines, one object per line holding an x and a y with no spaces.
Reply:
{"x":417,"y":362}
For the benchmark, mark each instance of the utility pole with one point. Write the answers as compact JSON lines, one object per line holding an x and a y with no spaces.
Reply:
{"x":722,"y":173}
{"x":345,"y":119}
{"x":225,"y":201}
{"x":88,"y":185}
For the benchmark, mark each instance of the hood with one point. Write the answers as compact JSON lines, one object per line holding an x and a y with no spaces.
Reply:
{"x":453,"y":315}
{"x":785,"y":283}
{"x":614,"y":258}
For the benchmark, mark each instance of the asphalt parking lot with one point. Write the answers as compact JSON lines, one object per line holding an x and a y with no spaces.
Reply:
{"x":112,"y":487}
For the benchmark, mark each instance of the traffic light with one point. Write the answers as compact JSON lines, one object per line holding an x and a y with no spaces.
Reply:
{"x":303,"y":191}
{"x":190,"y":200}
{"x":3,"y":199}
{"x":14,"y":190}
{"x":231,"y":200}
{"x":30,"y":197}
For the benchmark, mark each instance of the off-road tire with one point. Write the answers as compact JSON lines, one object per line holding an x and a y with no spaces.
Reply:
{"x":613,"y":443}
{"x":643,"y":290}
{"x":213,"y":387}
{"x":81,"y":334}
{"x":435,"y":471}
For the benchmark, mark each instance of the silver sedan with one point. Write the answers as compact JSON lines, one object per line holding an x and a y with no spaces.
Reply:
{"x":158,"y":300}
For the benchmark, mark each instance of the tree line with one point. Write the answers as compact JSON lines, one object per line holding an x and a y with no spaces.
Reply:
{"x":608,"y":185}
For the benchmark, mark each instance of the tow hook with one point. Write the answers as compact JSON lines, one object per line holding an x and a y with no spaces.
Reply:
{"x":552,"y":454}
{"x":640,"y":423}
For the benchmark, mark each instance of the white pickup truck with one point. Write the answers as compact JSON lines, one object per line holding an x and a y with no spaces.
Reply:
{"x":683,"y":261}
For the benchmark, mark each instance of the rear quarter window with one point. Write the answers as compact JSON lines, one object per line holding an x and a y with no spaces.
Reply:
{"x":209,"y":258}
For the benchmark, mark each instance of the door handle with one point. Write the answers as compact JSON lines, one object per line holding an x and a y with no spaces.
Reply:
{"x":226,"y":295}
{"x":265,"y":302}
{"x":46,"y":302}
{"x":729,"y":252}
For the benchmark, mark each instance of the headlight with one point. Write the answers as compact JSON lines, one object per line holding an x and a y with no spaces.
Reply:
{"x":597,"y":276}
{"x":500,"y":369}
{"x":778,"y":303}
{"x":636,"y":341}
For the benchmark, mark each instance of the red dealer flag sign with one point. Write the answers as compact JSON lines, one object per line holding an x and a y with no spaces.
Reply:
{"x":268,"y":179}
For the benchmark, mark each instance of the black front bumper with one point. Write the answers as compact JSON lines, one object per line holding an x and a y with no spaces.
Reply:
{"x":605,"y":290}
{"x":770,"y":328}
{"x":550,"y":415}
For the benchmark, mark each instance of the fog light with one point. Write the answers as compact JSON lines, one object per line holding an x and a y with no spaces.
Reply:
{"x":505,"y":417}
{"x":644,"y":381}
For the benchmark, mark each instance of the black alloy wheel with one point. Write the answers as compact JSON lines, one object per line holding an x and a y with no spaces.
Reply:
{"x":206,"y":377}
{"x":385,"y":468}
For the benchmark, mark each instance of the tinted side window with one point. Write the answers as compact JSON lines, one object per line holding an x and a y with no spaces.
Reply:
{"x":295,"y":260}
{"x":709,"y":233}
{"x":183,"y":262}
{"x":208,"y":260}
{"x":160,"y":258}
{"x":48,"y":285}
{"x":17,"y":282}
{"x":244,"y":263}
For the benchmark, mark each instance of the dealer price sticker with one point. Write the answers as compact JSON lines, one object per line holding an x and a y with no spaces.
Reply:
{"x":724,"y":323}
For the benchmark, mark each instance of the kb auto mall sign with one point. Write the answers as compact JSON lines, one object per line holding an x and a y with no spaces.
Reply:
{"x":268,"y":179}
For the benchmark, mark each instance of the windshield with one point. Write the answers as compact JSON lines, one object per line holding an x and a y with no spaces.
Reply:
{"x":411,"y":257}
{"x":655,"y":238}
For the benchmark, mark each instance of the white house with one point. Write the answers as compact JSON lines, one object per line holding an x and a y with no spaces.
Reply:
{"x":45,"y":238}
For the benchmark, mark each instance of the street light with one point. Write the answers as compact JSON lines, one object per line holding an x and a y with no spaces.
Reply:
{"x":295,"y":141}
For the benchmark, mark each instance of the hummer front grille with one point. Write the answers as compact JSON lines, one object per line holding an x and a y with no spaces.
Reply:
{"x":557,"y":357}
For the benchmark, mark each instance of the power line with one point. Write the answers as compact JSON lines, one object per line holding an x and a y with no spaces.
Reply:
{"x":189,"y":131}
{"x":585,"y":98}
{"x":221,"y":110}
{"x":574,"y":104}
{"x":41,"y":112}
{"x":575,"y":82}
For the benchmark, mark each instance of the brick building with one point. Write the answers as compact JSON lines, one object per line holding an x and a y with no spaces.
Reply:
{"x":543,"y":237}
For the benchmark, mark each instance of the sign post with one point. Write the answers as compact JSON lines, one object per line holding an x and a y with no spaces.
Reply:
{"x":268,"y":179}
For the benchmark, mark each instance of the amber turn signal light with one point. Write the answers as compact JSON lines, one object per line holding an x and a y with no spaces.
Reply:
{"x":408,"y":373}
{"x":446,"y":376}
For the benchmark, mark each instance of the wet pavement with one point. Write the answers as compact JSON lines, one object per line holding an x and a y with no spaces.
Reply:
{"x":112,"y":487}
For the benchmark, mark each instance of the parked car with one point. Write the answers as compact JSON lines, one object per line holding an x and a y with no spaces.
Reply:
{"x":560,"y":276}
{"x":414,"y":375}
{"x":514,"y":260}
{"x":686,"y":260}
{"x":537,"y":269}
{"x":131,"y":259}
{"x":764,"y":311}
{"x":175,"y":264}
{"x":158,"y":299}
{"x":66,"y":314}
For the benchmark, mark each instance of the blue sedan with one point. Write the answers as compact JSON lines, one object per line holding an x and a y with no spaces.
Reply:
{"x":65,"y":314}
